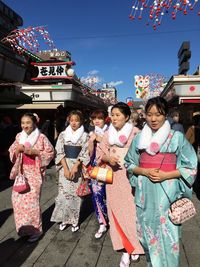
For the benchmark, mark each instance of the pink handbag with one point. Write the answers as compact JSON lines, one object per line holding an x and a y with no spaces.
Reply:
{"x":181,"y":210}
{"x":21,"y":184}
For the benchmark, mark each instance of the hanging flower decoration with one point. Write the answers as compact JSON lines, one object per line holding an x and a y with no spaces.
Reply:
{"x":156,"y":9}
{"x":23,"y":40}
{"x":157,"y":82}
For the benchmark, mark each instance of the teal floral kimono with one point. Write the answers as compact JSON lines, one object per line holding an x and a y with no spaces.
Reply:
{"x":158,"y":235}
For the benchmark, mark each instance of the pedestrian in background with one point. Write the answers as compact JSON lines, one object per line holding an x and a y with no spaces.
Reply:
{"x":174,"y":120}
{"x":120,"y":200}
{"x":37,"y":152}
{"x":98,"y":118}
{"x":71,"y":152}
{"x":158,"y":158}
{"x":136,"y":120}
{"x":193,"y":136}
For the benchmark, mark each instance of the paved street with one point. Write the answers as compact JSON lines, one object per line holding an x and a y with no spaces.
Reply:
{"x":78,"y":249}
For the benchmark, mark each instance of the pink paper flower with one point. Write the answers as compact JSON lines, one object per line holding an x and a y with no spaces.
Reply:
{"x":27,"y":144}
{"x":122,"y":139}
{"x":154,"y":147}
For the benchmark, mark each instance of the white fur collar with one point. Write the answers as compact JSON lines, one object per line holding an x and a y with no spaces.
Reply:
{"x":152,"y":142}
{"x":73,"y":136}
{"x":120,"y":137}
{"x":30,"y":139}
{"x":100,"y":131}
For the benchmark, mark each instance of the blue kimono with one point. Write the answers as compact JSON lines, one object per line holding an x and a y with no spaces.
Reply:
{"x":158,"y":235}
{"x":98,"y":195}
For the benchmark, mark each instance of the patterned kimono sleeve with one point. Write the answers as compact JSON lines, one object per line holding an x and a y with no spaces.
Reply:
{"x":186,"y":163}
{"x":132,"y":161}
{"x":103,"y":148}
{"x":12,"y":149}
{"x":84,"y":153}
{"x":60,"y":154}
{"x":47,"y":153}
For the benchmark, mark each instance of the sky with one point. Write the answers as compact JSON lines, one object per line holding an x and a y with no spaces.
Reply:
{"x":105,"y":43}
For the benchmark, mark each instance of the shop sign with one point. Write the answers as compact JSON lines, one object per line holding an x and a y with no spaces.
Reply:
{"x":187,"y":89}
{"x":51,"y":70}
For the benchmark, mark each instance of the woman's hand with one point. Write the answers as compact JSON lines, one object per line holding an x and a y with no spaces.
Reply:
{"x":93,"y":137}
{"x":156,"y":175}
{"x":30,"y":151}
{"x":114,"y":161}
{"x":19,"y":149}
{"x":67,"y":174}
{"x":99,"y":138}
{"x":74,"y":170}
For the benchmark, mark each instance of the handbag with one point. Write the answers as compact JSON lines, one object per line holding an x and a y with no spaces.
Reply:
{"x":21,"y":184}
{"x":102,"y":174}
{"x":181,"y":209}
{"x":83,"y":188}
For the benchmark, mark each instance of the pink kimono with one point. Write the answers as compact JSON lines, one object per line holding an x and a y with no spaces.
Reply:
{"x":120,"y":200}
{"x":26,"y":206}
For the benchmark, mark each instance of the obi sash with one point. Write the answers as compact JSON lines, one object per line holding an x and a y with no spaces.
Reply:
{"x":72,"y":152}
{"x":28,"y":160}
{"x":163,"y":161}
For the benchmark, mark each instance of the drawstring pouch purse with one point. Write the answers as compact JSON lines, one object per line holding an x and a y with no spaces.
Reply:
{"x":21,"y":184}
{"x":83,"y":189}
{"x":181,"y":209}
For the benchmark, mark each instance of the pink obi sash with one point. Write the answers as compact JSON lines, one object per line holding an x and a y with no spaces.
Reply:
{"x":149,"y":161}
{"x":27,"y":160}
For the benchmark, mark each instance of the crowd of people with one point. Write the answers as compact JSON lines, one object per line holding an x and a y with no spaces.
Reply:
{"x":134,"y":207}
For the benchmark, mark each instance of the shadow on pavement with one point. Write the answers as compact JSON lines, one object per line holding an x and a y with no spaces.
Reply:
{"x":5,"y":183}
{"x":46,"y":216}
{"x":86,"y":208}
{"x":4,"y":215}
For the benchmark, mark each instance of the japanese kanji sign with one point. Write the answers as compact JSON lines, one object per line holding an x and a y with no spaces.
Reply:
{"x":55,"y":70}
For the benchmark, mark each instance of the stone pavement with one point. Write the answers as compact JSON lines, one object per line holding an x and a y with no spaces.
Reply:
{"x":78,"y":249}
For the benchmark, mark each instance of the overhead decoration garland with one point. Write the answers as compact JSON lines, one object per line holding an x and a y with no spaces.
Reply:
{"x":23,"y":40}
{"x":158,"y":8}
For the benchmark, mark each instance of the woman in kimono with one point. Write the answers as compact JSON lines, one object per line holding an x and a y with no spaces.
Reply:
{"x":161,"y":164}
{"x":120,"y":200}
{"x":98,"y":118}
{"x":36,"y":152}
{"x":71,"y":152}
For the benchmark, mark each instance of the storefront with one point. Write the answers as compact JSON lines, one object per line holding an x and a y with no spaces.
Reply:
{"x":183,"y":93}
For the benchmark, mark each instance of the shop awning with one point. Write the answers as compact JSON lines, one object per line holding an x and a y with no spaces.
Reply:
{"x":41,"y":106}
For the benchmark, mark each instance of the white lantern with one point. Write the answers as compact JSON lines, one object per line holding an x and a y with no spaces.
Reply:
{"x":70,"y":72}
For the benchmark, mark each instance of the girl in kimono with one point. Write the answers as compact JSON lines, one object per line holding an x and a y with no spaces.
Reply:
{"x":120,"y":200}
{"x":162,"y":167}
{"x":37,"y":152}
{"x":71,"y":152}
{"x":98,"y":118}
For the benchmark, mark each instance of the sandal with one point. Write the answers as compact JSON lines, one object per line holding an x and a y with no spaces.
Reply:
{"x":62,"y":226}
{"x":135,"y":257}
{"x":125,"y":261}
{"x":75,"y":228}
{"x":101,"y":231}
